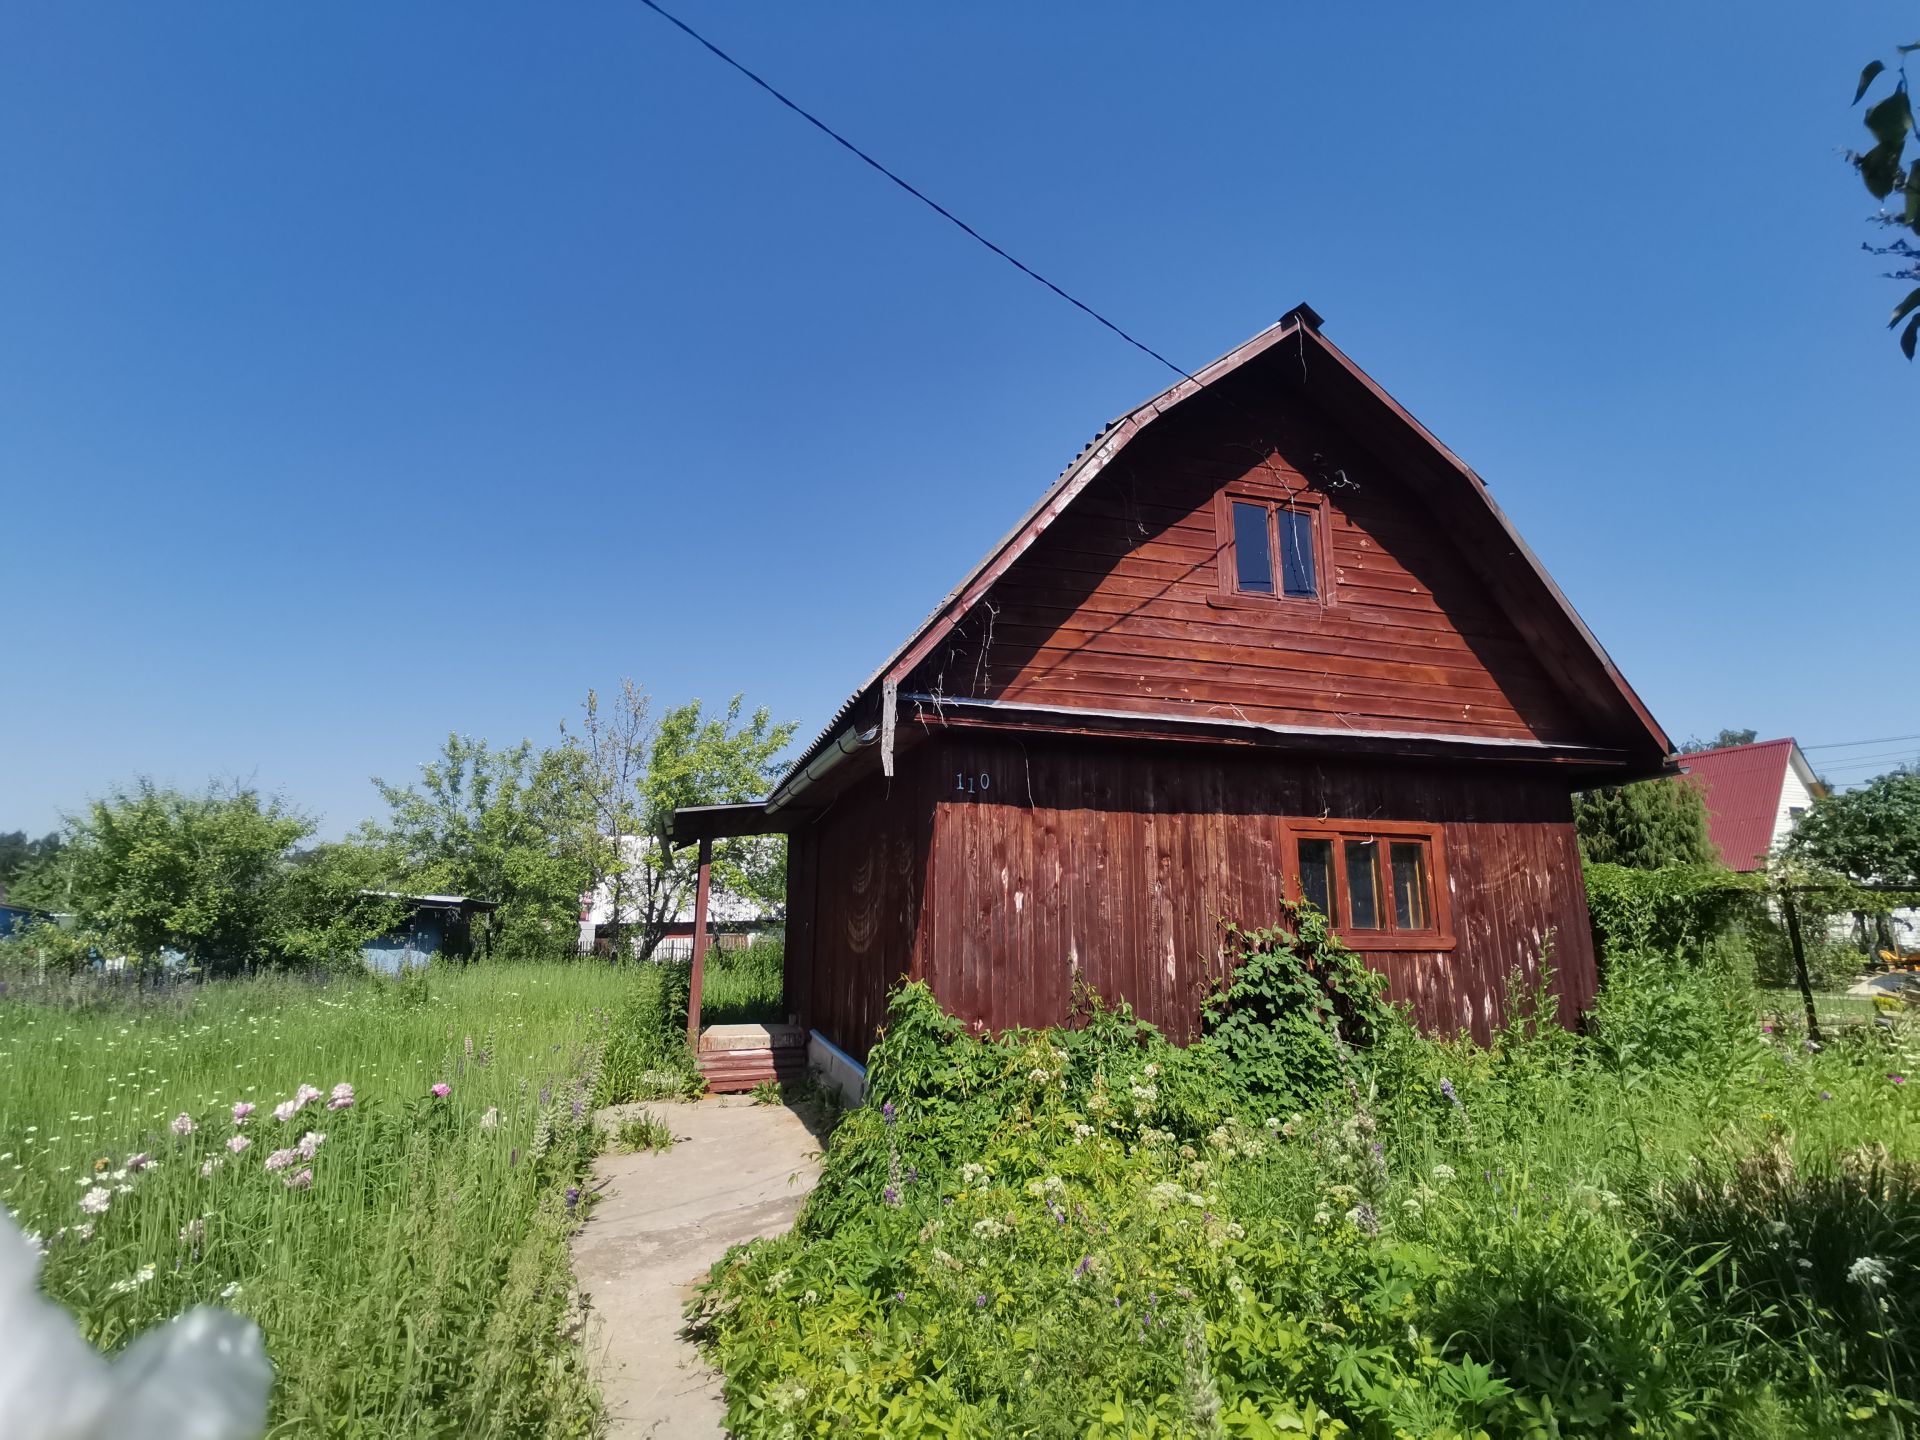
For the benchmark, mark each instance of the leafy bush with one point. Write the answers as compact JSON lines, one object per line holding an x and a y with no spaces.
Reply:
{"x":646,"y":1055}
{"x":1089,"y":1231}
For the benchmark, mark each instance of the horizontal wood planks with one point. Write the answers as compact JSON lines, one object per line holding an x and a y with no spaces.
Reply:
{"x":1119,"y":603}
{"x":1004,"y":870}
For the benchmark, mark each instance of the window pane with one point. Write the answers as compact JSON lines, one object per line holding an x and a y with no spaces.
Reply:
{"x":1252,"y":555}
{"x":1316,"y":874}
{"x":1409,"y":862}
{"x":1296,"y":553}
{"x":1363,"y":885}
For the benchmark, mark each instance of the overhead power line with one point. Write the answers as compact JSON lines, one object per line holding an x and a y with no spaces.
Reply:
{"x":925,"y":199}
{"x":1855,"y":744}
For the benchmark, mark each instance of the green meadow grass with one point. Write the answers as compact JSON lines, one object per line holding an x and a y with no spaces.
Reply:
{"x":418,"y":1282}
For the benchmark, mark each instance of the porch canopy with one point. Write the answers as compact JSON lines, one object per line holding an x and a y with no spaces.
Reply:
{"x":704,"y":824}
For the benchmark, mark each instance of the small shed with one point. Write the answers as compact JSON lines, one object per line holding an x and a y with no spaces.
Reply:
{"x":433,"y":926}
{"x":1265,"y":639}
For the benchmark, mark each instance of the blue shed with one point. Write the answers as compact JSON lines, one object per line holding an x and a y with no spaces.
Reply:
{"x":435,"y":925}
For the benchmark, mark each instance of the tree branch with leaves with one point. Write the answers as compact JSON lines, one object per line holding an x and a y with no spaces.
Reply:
{"x":1893,"y":178}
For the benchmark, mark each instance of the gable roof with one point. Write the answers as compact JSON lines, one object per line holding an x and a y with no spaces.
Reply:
{"x":1741,"y":785}
{"x":1541,"y":612}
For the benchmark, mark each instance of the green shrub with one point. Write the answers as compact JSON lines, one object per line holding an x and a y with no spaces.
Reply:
{"x":643,"y":1130}
{"x":646,"y":1055}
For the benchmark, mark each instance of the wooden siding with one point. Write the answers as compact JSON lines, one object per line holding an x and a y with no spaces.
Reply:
{"x":1116,"y":863}
{"x":1120,"y":603}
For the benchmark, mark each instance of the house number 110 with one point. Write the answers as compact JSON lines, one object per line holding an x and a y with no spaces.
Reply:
{"x":972,"y":784}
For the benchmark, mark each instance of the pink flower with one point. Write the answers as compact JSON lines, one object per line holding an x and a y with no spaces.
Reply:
{"x":299,"y":1180}
{"x":241,"y":1110}
{"x":342,"y":1097}
{"x":238,"y":1144}
{"x":309,"y":1142}
{"x":137,"y":1163}
{"x":281,"y":1159}
{"x":305,"y":1096}
{"x":285,"y":1111}
{"x":441,"y":1090}
{"x":183,"y":1124}
{"x":1898,"y":1079}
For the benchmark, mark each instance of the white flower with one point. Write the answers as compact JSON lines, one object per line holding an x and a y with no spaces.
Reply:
{"x":1869,"y":1273}
{"x":310,"y":1142}
{"x":1443,"y":1173}
{"x":285,"y":1111}
{"x":183,"y":1124}
{"x":231,"y":1290}
{"x":96,"y":1200}
{"x":238,"y":1143}
{"x":206,"y":1375}
{"x":139,"y":1277}
{"x":491,"y":1119}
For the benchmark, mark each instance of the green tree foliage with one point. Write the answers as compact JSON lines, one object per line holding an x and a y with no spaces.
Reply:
{"x":1870,"y":834}
{"x":1644,"y":825}
{"x":20,"y":857}
{"x":513,"y":826}
{"x":210,"y":876}
{"x":638,"y":770}
{"x":1720,"y":741}
{"x":1894,"y":179}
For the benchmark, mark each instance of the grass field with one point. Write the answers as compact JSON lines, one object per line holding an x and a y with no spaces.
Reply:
{"x":403,"y":1251}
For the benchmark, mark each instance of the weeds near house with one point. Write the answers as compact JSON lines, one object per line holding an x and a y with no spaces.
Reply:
{"x":643,"y":1131}
{"x":768,"y":1092}
{"x":1090,"y":1231}
{"x":382,"y":1174}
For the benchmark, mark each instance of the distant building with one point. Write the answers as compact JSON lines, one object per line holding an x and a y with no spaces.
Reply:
{"x":435,"y":926}
{"x":733,"y":920}
{"x":1755,"y":795}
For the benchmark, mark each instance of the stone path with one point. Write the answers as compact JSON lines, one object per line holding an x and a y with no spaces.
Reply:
{"x":736,"y":1170}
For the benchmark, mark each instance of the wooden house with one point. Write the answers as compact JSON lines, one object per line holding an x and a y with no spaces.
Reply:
{"x":1266,"y":636}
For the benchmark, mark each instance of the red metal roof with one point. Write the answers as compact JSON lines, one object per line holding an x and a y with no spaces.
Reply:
{"x":1741,"y":785}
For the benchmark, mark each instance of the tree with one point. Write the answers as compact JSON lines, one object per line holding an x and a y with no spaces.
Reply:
{"x":513,"y":825}
{"x":640,"y":771}
{"x":1720,"y":741}
{"x":1890,"y":175}
{"x":1870,"y":834}
{"x":21,"y":857}
{"x":210,"y":876}
{"x":1645,"y":825}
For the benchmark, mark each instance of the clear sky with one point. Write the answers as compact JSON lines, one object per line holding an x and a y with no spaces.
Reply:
{"x":372,"y":371}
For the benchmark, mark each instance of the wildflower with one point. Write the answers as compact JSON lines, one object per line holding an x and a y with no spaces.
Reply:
{"x":1362,"y":1218}
{"x":440,"y":1090}
{"x":886,"y":1112}
{"x":305,"y":1096}
{"x":776,"y":1280}
{"x":891,"y":1195}
{"x":211,"y":1164}
{"x":301,"y":1179}
{"x":84,"y":1230}
{"x":573,"y":1196}
{"x":281,"y":1159}
{"x":979,"y":1302}
{"x":231,"y":1290}
{"x":95,"y":1201}
{"x":136,"y":1163}
{"x":342,"y":1097}
{"x":1897,"y":1079}
{"x":242,"y":1110}
{"x":310,"y":1142}
{"x":1082,"y":1131}
{"x":1273,"y":1123}
{"x":1869,"y":1273}
{"x":285,"y":1111}
{"x":989,"y":1228}
{"x":139,"y":1277}
{"x":193,"y":1231}
{"x":1826,"y":1095}
{"x":183,"y":1124}
{"x":1039,"y":1075}
{"x":238,"y":1144}
{"x":491,"y":1120}
{"x":1443,"y":1173}
{"x":1446,"y":1089}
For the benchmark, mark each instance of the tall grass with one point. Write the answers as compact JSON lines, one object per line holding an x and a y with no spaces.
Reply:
{"x":410,"y":1269}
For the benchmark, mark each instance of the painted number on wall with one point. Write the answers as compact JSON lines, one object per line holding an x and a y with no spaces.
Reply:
{"x":967,"y":784}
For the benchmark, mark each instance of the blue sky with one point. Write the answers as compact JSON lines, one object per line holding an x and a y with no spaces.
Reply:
{"x":377,"y":371}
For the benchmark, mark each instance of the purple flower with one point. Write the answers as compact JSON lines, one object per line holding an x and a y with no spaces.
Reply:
{"x":979,"y":1302}
{"x":342,"y":1098}
{"x":1898,"y":1079}
{"x":886,"y":1112}
{"x":573,"y":1196}
{"x":139,"y":1162}
{"x":1085,"y":1265}
{"x":241,"y":1110}
{"x":440,"y":1090}
{"x":183,"y":1124}
{"x":890,"y":1195}
{"x":899,"y":1295}
{"x":281,"y":1159}
{"x":1826,"y":1095}
{"x":300,"y":1180}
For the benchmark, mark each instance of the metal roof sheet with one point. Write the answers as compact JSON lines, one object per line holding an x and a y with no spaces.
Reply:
{"x":1741,"y":785}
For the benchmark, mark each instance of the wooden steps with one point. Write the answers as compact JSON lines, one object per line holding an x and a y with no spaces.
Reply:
{"x":738,"y":1057}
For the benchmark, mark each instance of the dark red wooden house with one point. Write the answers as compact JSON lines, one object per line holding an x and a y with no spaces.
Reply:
{"x":1265,"y":637}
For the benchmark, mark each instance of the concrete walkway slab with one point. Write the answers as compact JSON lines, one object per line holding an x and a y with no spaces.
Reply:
{"x":737,"y":1170}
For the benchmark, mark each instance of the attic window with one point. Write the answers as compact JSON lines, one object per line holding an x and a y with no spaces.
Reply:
{"x":1269,"y":548}
{"x":1382,"y":884}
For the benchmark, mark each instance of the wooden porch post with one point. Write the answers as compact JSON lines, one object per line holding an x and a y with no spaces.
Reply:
{"x":699,"y":944}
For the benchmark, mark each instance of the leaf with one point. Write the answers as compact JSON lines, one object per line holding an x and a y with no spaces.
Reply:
{"x":1880,"y":168}
{"x":1909,"y":336}
{"x":1891,"y":119}
{"x":1901,"y":310}
{"x":1866,"y":79}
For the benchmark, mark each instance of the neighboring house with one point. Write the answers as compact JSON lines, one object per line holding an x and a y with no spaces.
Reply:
{"x":434,"y":926}
{"x":734,"y":920}
{"x":1755,"y":795}
{"x":1266,"y":637}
